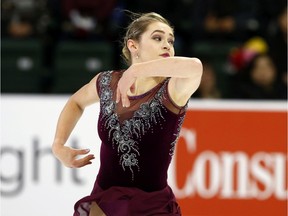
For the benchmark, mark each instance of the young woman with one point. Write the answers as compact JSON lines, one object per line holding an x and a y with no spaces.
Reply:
{"x":141,"y":113}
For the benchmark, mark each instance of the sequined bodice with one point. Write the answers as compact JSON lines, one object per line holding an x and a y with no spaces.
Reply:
{"x":137,"y":142}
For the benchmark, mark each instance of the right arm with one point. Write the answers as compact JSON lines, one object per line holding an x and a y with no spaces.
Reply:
{"x":68,"y":118}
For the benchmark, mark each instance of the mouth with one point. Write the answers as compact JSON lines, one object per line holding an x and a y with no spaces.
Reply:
{"x":165,"y":55}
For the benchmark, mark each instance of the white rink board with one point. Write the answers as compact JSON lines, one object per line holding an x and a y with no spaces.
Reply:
{"x":27,"y":131}
{"x":32,"y":181}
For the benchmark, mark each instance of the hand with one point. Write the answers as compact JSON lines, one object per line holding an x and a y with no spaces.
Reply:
{"x":68,"y":156}
{"x":125,"y":84}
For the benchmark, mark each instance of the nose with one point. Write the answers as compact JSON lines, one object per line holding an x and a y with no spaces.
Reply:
{"x":166,"y":45}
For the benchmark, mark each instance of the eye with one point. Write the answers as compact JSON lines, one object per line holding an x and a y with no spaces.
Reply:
{"x":157,"y":38}
{"x":171,"y":42}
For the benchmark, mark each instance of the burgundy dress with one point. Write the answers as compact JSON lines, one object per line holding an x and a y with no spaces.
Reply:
{"x":136,"y":150}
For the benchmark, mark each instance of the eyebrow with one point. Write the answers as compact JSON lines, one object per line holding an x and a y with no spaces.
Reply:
{"x":160,"y":31}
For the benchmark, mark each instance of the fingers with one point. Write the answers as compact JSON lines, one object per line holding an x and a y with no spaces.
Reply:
{"x":76,"y":163}
{"x":124,"y":98}
{"x":81,"y":151}
{"x":125,"y":83}
{"x":118,"y":95}
{"x":70,"y":156}
{"x":83,"y":161}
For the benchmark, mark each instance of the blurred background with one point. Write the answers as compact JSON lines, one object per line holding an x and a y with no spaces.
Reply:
{"x":232,"y":150}
{"x":56,"y":46}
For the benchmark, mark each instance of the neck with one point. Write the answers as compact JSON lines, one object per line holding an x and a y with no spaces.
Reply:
{"x":143,"y":85}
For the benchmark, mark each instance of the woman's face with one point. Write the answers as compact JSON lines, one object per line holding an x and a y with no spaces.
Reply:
{"x":156,"y":42}
{"x":263,"y":72}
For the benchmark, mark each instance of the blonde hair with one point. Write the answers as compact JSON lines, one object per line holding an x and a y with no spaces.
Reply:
{"x":137,"y":27}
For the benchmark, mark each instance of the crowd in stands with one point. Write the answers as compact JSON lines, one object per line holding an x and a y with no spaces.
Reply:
{"x":255,"y":66}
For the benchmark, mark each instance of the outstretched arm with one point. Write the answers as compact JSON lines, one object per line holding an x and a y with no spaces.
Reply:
{"x":185,"y":76}
{"x":68,"y":118}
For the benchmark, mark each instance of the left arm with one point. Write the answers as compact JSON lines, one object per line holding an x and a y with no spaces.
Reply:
{"x":185,"y":76}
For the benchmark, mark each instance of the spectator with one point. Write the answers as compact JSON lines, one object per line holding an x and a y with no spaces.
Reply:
{"x":226,"y":20}
{"x":20,"y":19}
{"x":259,"y":80}
{"x":277,"y":40}
{"x":72,"y":20}
{"x":240,"y":55}
{"x":85,"y":18}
